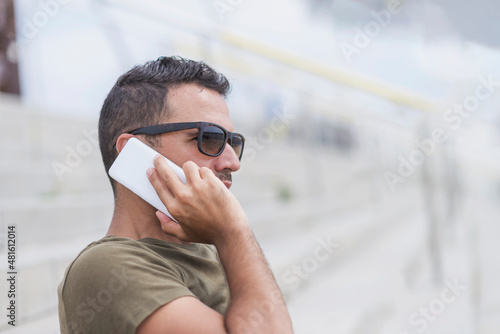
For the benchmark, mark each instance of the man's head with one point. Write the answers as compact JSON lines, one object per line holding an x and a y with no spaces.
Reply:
{"x":168,"y":90}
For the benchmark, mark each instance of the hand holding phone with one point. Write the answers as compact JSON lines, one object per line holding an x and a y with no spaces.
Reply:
{"x":130,"y":168}
{"x":207,"y":211}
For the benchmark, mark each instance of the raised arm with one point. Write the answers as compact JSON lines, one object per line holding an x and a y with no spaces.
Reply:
{"x":209,"y":213}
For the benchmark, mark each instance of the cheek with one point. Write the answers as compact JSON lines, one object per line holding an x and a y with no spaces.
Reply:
{"x":173,"y":153}
{"x":204,"y":161}
{"x":191,"y":153}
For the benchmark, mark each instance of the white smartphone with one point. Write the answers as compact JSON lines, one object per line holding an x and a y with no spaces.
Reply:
{"x":130,"y":168}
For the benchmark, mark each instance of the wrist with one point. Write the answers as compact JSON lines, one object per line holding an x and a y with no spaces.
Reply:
{"x":236,"y":234}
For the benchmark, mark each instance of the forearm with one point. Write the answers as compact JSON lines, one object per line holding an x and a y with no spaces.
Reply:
{"x":257,"y":305}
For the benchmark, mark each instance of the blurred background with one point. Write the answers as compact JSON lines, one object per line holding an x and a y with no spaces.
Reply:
{"x":370,"y":176}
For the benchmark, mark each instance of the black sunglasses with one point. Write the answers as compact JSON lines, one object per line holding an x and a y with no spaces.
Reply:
{"x":212,"y":138}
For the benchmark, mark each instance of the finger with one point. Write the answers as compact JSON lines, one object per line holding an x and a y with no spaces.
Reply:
{"x":160,"y":187}
{"x":163,"y":218}
{"x":191,"y":170}
{"x":167,"y":174}
{"x":169,"y":226}
{"x":208,"y":175}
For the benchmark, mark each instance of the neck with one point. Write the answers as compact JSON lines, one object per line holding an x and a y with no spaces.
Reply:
{"x":135,"y":219}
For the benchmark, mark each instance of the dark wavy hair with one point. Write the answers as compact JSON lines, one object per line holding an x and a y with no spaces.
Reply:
{"x":139,"y":98}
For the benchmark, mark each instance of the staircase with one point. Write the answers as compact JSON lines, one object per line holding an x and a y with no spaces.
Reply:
{"x":56,"y":213}
{"x":349,"y":255}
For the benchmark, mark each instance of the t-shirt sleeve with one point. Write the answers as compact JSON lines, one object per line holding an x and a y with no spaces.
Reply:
{"x":114,"y":288}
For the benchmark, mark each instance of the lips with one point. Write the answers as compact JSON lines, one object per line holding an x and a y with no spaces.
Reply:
{"x":227,"y":184}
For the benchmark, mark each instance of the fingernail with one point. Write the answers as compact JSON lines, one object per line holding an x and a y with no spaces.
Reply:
{"x":150,"y":171}
{"x":156,"y":157}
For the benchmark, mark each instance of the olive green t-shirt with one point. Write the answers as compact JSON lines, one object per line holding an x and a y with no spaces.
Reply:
{"x":116,"y":283}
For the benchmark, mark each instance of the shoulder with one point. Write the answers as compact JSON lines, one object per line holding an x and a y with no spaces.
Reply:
{"x":110,"y":259}
{"x":108,"y":251}
{"x":114,"y":284}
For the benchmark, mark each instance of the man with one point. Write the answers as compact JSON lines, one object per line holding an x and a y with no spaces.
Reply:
{"x":151,"y":274}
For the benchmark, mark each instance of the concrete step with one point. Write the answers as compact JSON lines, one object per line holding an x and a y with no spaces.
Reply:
{"x":347,"y":229}
{"x":42,"y":220}
{"x":341,"y":295}
{"x":28,"y":181}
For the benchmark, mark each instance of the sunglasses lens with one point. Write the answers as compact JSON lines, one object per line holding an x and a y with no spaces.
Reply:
{"x":237,"y":144}
{"x":212,"y":140}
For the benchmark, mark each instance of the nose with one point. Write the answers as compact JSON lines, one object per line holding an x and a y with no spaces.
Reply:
{"x":227,"y":160}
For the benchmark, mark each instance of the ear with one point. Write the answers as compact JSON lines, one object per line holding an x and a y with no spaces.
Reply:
{"x":122,"y":140}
